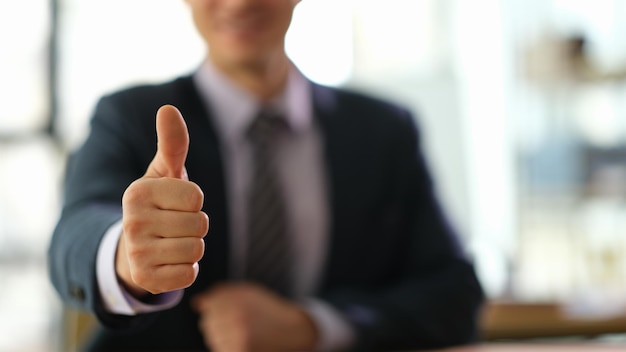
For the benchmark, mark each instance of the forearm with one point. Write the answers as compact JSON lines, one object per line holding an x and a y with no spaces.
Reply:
{"x":421,"y":312}
{"x":72,"y":260}
{"x":73,"y":249}
{"x":115,"y":298}
{"x":334,"y":332}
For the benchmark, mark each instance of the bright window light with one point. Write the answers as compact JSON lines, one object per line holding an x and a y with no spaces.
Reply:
{"x":320,"y":40}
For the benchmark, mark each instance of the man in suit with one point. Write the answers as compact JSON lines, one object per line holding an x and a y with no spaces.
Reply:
{"x":368,"y":261}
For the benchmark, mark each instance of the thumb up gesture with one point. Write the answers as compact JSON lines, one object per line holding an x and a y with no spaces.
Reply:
{"x":163,"y":222}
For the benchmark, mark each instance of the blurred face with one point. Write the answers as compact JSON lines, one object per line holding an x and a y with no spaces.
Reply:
{"x":242,"y":32}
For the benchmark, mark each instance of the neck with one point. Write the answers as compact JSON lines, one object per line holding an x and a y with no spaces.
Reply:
{"x":264,"y":79}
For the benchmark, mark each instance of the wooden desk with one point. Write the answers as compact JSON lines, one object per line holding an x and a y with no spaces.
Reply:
{"x":514,"y":320}
{"x":500,"y":321}
{"x":537,"y":347}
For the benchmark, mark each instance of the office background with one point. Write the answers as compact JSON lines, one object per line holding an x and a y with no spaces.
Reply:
{"x":522,"y":104}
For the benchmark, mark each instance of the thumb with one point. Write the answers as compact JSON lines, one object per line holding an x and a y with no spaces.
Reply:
{"x":173,"y":143}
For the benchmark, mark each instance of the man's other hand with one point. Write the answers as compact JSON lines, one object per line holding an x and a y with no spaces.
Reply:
{"x":244,"y":317}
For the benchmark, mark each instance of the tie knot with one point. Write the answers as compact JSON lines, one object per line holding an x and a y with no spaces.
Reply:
{"x":266,"y":126}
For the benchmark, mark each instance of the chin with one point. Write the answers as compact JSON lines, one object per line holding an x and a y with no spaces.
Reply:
{"x":245,"y":57}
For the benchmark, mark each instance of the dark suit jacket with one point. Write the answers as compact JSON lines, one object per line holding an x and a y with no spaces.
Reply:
{"x":394,"y":267}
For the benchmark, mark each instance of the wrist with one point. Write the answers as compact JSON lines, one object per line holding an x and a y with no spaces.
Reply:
{"x":122,"y":270}
{"x":305,"y":334}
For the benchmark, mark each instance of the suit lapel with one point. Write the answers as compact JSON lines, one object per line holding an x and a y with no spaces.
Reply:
{"x":338,"y":152}
{"x":205,"y":167}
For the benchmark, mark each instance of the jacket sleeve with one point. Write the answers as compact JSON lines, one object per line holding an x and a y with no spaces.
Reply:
{"x":96,"y":177}
{"x":435,"y":300}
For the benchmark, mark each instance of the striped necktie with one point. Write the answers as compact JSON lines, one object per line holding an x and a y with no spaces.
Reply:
{"x":268,"y":252}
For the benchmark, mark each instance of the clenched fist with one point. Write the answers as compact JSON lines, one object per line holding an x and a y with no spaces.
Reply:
{"x":245,"y":317}
{"x":163,"y":222}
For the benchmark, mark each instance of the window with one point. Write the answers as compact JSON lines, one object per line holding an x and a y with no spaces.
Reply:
{"x":30,"y":165}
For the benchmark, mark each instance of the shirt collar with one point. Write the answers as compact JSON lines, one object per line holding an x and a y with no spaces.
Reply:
{"x":233,"y":108}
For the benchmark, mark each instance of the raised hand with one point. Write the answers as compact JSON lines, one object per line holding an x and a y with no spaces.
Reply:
{"x":163,"y":222}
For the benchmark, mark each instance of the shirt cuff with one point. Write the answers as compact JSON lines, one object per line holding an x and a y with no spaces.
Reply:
{"x":334,"y":331}
{"x":115,"y":298}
